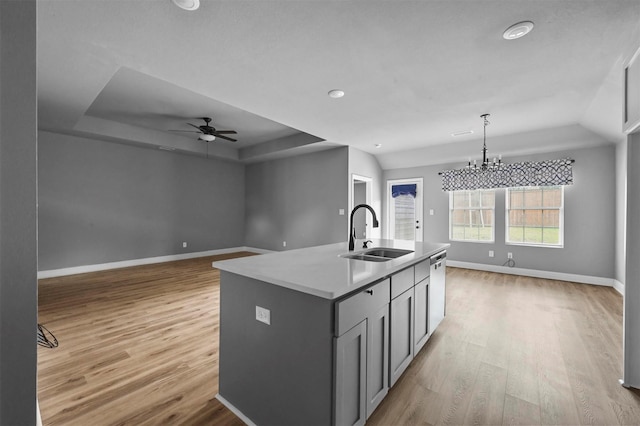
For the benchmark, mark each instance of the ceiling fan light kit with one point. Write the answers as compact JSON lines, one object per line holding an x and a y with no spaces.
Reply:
{"x":209,"y":133}
{"x":496,"y":174}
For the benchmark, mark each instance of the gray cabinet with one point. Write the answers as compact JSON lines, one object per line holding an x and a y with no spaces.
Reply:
{"x":437,"y":290}
{"x":421,"y":322}
{"x":377,"y":358}
{"x":351,"y":376}
{"x":401,"y":346}
{"x":631,"y":107}
{"x":361,"y":354}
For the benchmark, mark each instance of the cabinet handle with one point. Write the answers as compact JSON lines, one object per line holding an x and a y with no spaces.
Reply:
{"x":370,"y":292}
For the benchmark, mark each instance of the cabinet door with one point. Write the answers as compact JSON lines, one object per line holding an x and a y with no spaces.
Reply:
{"x":401,"y":345}
{"x":377,"y":358}
{"x":421,"y":330}
{"x":437,"y":295}
{"x":351,"y":375}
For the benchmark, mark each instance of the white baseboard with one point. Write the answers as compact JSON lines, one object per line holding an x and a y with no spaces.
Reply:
{"x":561,"y":276}
{"x":618,"y":286}
{"x":234,"y":410}
{"x":145,"y":261}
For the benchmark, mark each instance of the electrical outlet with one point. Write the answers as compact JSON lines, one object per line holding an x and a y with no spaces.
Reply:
{"x":491,"y":254}
{"x":284,"y":244}
{"x":341,"y":212}
{"x":263,"y":315}
{"x":431,"y":212}
{"x":509,"y":255}
{"x":184,"y":244}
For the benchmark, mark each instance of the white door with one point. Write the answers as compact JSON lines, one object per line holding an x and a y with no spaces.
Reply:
{"x":404,"y":209}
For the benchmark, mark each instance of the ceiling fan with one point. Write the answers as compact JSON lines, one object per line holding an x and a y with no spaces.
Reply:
{"x":209,"y":133}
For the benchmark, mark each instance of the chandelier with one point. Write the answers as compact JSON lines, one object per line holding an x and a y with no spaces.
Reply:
{"x":496,"y":174}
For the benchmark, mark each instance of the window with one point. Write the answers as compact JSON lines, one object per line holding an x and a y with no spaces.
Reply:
{"x":535,"y":216}
{"x":471,"y":215}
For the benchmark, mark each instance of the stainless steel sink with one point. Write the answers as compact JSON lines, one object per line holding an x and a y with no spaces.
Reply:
{"x":361,"y":256}
{"x":391,"y":253}
{"x":378,"y":254}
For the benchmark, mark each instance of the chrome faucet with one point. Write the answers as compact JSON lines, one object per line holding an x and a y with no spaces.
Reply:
{"x":352,"y":233}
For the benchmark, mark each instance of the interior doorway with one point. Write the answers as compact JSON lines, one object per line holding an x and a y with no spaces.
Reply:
{"x":361,"y":194}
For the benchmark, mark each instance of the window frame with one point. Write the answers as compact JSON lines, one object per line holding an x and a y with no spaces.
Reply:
{"x":507,"y":209}
{"x":493,"y":217}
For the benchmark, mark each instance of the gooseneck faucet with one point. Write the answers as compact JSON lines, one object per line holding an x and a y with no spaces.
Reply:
{"x":352,"y":232}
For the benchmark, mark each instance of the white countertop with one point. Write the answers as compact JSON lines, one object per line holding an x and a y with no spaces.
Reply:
{"x":321,"y":271}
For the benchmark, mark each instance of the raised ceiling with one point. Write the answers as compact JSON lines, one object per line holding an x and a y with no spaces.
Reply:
{"x":413,"y":73}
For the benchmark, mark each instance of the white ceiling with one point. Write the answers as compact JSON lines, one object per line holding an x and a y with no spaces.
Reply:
{"x":413,"y":73}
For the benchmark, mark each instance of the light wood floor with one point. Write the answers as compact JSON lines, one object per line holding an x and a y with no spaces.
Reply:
{"x":139,"y":346}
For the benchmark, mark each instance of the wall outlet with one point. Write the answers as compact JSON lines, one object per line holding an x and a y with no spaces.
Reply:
{"x":184,"y":244}
{"x":509,"y":255}
{"x":491,"y":254}
{"x":431,"y":212}
{"x":341,"y":212}
{"x":263,"y":315}
{"x":284,"y":244}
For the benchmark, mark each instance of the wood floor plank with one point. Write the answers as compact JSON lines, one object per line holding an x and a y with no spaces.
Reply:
{"x":139,"y":346}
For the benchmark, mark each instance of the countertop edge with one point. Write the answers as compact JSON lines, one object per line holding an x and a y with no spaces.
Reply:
{"x":228,"y":266}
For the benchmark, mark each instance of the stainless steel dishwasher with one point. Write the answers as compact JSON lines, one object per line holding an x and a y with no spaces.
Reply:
{"x":437,"y":291}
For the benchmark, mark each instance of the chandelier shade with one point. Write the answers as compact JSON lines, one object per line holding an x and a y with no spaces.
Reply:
{"x":509,"y":175}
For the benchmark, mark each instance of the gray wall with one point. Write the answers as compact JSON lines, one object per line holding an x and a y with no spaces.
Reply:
{"x":297,"y":200}
{"x":590,"y":218}
{"x":632,"y":283}
{"x":103,"y":202}
{"x":18,"y":218}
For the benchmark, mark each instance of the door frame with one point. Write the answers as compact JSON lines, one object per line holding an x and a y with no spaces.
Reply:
{"x":419,"y":204}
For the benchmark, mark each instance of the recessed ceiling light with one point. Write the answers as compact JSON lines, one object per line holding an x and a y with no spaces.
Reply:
{"x":187,"y":4}
{"x":378,"y":145}
{"x":335,"y":94}
{"x":518,"y":30}
{"x":462,"y":133}
{"x":166,"y":148}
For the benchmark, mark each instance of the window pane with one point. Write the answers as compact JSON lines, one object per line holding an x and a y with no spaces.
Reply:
{"x":532,"y":197}
{"x":516,"y":199}
{"x":404,"y":206}
{"x":552,"y":197}
{"x":551,"y":218}
{"x":533,"y":235}
{"x":516,"y":234}
{"x":460,"y":199}
{"x":488,"y":199}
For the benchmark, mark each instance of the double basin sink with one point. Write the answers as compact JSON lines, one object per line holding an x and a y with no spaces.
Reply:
{"x":378,"y":254}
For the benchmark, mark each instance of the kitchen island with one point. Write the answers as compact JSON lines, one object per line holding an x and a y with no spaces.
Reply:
{"x":309,"y":336}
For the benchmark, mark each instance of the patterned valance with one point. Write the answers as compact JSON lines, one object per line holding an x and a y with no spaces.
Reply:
{"x":503,"y":175}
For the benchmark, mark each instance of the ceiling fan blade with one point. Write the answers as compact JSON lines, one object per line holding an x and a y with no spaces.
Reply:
{"x":188,"y":131}
{"x":226,"y":132}
{"x":193,"y":125}
{"x":224,"y":137}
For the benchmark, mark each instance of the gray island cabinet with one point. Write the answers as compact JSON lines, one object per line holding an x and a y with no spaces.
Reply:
{"x":309,"y":337}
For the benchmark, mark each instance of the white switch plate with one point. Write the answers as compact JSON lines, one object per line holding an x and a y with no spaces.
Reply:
{"x":284,"y":244}
{"x":430,"y":212}
{"x":490,"y":253}
{"x":184,"y":244}
{"x":341,"y":212}
{"x":263,"y":315}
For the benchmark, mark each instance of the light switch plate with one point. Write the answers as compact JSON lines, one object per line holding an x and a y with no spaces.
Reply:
{"x":341,"y":212}
{"x":263,"y":315}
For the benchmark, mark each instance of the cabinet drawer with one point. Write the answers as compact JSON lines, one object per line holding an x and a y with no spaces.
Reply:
{"x":354,"y":309}
{"x":401,"y":282}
